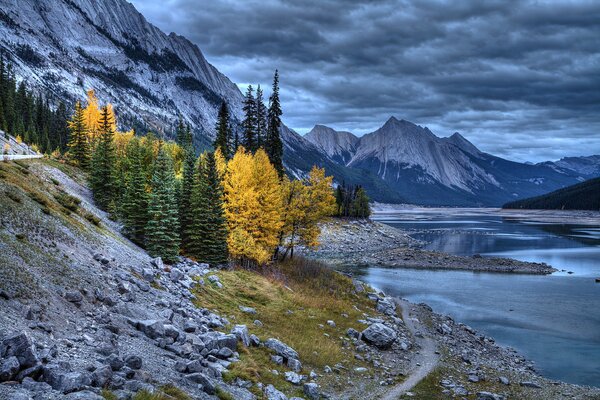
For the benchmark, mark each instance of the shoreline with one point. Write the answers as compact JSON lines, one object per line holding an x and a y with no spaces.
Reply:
{"x":469,"y":363}
{"x":346,"y":243}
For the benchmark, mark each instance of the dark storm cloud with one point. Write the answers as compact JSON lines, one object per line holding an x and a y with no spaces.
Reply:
{"x":520,"y":79}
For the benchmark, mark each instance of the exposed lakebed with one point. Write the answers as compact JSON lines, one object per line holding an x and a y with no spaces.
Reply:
{"x":553,"y":320}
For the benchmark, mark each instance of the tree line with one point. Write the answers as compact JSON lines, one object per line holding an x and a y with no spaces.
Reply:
{"x":230,"y":204}
{"x":260,"y":127}
{"x":351,"y":201}
{"x":30,"y":117}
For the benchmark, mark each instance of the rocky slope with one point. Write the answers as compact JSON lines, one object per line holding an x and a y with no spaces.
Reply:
{"x":425,"y":169}
{"x":68,"y":46}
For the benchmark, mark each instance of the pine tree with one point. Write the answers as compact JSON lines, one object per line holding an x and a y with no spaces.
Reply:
{"x":102,"y":171}
{"x":249,"y":122}
{"x":185,"y":211}
{"x":208,"y":229}
{"x":162,"y":229}
{"x":135,"y":202}
{"x":261,"y":118}
{"x":223,"y":137}
{"x":360,"y":205}
{"x":78,"y":142}
{"x":273,"y":144}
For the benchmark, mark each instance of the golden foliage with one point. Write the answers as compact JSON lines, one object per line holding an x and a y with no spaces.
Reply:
{"x":252,"y":194}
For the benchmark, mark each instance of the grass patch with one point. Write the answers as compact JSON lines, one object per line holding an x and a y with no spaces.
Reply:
{"x":167,"y":392}
{"x":223,"y":395}
{"x":92,"y":218}
{"x":68,"y":202}
{"x":13,"y":196}
{"x":55,"y":182}
{"x":294,"y":301}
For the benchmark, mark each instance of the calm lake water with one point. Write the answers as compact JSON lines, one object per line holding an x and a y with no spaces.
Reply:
{"x":553,"y":320}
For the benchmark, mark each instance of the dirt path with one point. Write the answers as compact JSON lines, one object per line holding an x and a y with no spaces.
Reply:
{"x":425,"y":361}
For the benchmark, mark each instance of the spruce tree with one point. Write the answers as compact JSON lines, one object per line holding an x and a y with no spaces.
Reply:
{"x":102,"y":171}
{"x":135,"y":201}
{"x":223,"y":137}
{"x":273,"y":144}
{"x":185,"y":211}
{"x":261,"y":118}
{"x":208,"y":230}
{"x":162,"y":229}
{"x":249,"y":122}
{"x":78,"y":141}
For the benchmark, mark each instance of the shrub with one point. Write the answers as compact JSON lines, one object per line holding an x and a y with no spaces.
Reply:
{"x":92,"y":218}
{"x":38,"y":198}
{"x":69,"y":202}
{"x":13,"y":196}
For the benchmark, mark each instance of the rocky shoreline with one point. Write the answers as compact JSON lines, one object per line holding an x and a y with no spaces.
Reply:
{"x":365,"y":242}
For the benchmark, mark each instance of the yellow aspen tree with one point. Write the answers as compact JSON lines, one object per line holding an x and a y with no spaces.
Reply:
{"x":306,"y":204}
{"x":252,"y":194}
{"x":221,"y":163}
{"x":91,"y":115}
{"x":267,"y":184}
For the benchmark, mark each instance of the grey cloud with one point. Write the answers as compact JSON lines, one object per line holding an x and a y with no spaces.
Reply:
{"x":519,"y":79}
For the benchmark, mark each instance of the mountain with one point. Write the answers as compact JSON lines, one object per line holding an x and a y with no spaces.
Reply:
{"x":582,"y":196}
{"x":338,"y":145}
{"x":426,"y":169}
{"x":68,"y":46}
{"x":588,"y":166}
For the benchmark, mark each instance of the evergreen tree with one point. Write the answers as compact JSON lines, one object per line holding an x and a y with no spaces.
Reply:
{"x":102,"y":171}
{"x":223,"y":137}
{"x":208,"y":230}
{"x":135,"y":202}
{"x":180,"y":133}
{"x":162,"y":229}
{"x":78,"y":142}
{"x":273,"y":144}
{"x":261,"y":118}
{"x":185,"y":211}
{"x":249,"y":122}
{"x":360,"y":204}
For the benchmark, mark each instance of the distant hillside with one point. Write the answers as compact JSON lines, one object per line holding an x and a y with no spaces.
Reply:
{"x":582,"y":196}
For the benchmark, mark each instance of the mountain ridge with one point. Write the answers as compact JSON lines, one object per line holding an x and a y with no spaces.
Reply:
{"x":426,"y":169}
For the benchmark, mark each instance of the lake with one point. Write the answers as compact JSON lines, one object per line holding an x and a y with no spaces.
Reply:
{"x":553,"y":320}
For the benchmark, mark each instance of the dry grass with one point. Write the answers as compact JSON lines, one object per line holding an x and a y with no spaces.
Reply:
{"x":294,"y":301}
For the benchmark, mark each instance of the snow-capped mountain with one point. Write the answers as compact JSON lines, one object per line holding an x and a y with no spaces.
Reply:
{"x":338,"y":145}
{"x":425,"y":169}
{"x":69,"y":46}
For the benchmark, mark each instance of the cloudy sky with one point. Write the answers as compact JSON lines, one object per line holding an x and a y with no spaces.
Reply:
{"x":520,"y":79}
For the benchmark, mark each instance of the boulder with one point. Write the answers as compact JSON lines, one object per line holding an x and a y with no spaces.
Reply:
{"x":241,"y":332}
{"x":9,"y":368}
{"x":21,"y":346}
{"x":379,"y":335}
{"x":247,"y":310}
{"x":531,"y":385}
{"x":158,"y":263}
{"x":273,"y":394}
{"x":353,"y":333}
{"x":281,"y":348}
{"x":386,"y":306}
{"x":73,"y":296}
{"x":225,"y":352}
{"x":311,"y":390}
{"x":152,"y":328}
{"x":294,"y":365}
{"x":277,"y":360}
{"x":101,"y":376}
{"x":202,"y":379}
{"x":254,"y":340}
{"x":133,"y":362}
{"x":293,"y":377}
{"x":115,"y":362}
{"x":66,"y":382}
{"x":83,"y":395}
{"x":176,"y":275}
{"x":489,"y":396}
